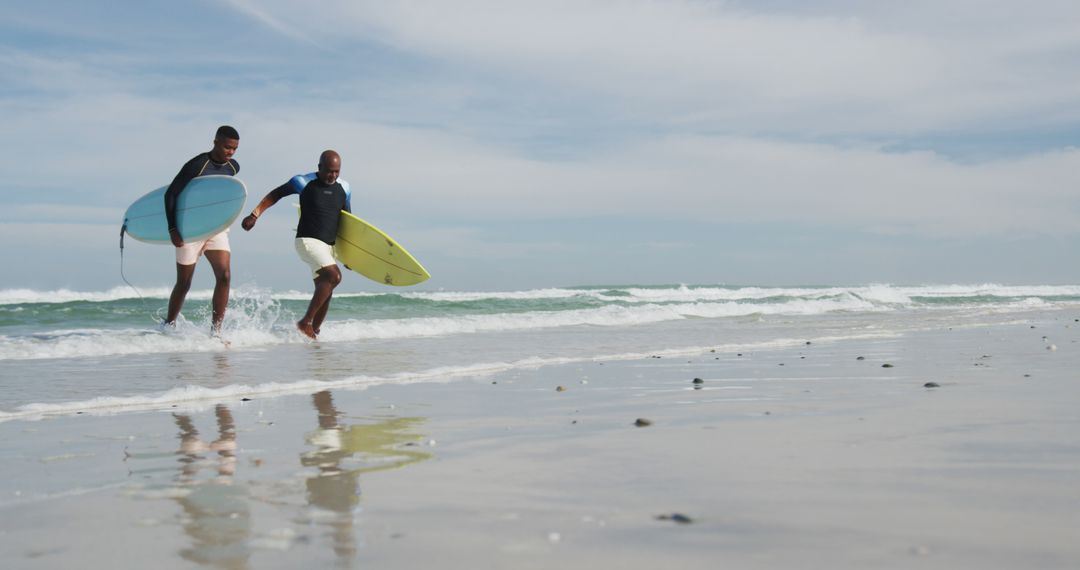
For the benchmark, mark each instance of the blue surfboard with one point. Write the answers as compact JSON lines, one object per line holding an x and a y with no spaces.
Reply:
{"x":207,"y":205}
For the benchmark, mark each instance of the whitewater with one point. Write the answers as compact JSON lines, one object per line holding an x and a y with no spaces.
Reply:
{"x":65,"y":351}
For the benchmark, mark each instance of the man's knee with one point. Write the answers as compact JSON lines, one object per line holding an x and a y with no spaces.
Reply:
{"x":183,"y":279}
{"x":330,"y":275}
{"x":223,"y":276}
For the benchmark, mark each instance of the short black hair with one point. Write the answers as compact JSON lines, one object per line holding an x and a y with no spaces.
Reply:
{"x":227,"y":132}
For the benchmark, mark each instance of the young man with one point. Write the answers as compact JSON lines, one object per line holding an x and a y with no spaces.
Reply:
{"x":216,"y":247}
{"x":322,"y":198}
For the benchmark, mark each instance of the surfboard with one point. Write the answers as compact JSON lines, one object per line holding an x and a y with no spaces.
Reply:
{"x":375,"y":255}
{"x":207,"y":205}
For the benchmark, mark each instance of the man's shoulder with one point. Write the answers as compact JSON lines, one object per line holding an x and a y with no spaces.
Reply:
{"x":198,"y":160}
{"x":300,"y":181}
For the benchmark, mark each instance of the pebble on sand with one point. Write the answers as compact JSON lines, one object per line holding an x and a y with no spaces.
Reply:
{"x":861,"y":358}
{"x":931,"y":385}
{"x":560,"y":388}
{"x":698,"y":381}
{"x":886,"y":365}
{"x":642,"y":422}
{"x":675,"y":517}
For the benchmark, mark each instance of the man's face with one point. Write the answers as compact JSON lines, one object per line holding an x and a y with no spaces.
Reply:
{"x":329,"y":170}
{"x":224,"y":149}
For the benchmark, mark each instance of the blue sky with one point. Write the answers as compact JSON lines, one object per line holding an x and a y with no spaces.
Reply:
{"x":531,"y":144}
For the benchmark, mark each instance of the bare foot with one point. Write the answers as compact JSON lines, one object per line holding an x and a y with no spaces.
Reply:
{"x":215,"y":332}
{"x":306,"y":329}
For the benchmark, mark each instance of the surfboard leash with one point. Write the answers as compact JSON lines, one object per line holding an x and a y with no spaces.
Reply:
{"x":123,"y":230}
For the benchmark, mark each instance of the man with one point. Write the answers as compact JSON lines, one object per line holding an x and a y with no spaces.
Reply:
{"x":322,"y":198}
{"x":216,"y":247}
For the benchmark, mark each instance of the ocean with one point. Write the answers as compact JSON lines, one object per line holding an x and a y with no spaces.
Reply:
{"x":81,"y":352}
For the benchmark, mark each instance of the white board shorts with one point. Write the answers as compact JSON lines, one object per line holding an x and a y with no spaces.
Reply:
{"x":316,"y":253}
{"x":188,"y":254}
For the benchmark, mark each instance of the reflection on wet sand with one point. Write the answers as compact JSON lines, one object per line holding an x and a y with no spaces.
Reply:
{"x":333,"y":491}
{"x":191,"y":369}
{"x":216,"y":512}
{"x":233,"y":509}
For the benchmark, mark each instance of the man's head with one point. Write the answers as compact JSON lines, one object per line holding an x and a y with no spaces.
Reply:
{"x":226,"y":141}
{"x":329,"y":166}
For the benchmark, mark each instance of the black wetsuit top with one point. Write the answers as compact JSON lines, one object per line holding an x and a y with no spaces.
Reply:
{"x":201,"y":165}
{"x":320,"y":210}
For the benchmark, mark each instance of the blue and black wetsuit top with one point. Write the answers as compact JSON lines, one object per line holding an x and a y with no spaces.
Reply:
{"x":320,"y":206}
{"x":201,"y":165}
{"x":320,"y":210}
{"x":300,"y":181}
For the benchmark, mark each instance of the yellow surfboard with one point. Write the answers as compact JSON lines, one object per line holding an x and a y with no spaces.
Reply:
{"x":375,"y":255}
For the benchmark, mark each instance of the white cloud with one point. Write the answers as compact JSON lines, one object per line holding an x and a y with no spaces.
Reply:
{"x":708,"y":64}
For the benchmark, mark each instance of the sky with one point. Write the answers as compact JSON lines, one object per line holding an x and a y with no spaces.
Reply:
{"x":525,"y":144}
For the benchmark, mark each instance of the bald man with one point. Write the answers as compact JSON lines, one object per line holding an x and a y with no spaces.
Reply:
{"x":322,"y":198}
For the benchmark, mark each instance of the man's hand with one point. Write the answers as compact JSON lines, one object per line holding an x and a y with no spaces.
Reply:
{"x":248,"y":222}
{"x":174,"y":235}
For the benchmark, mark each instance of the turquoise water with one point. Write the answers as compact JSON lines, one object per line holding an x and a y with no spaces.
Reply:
{"x":72,"y":352}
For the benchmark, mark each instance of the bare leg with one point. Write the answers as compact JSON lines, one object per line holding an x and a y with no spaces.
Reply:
{"x":328,"y":279}
{"x":320,"y":315}
{"x":219,"y":261}
{"x":184,"y":274}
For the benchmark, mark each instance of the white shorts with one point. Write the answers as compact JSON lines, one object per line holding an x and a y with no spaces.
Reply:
{"x":189,"y":253}
{"x":316,"y":253}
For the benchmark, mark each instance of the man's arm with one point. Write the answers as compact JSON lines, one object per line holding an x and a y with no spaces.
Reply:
{"x":270,"y":199}
{"x":187,"y":174}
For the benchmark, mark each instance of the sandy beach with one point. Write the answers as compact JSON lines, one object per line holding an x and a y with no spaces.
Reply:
{"x":828,"y":455}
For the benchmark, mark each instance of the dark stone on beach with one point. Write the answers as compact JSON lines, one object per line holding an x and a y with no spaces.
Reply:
{"x":739,"y":354}
{"x":698,"y":381}
{"x":245,"y":399}
{"x":1027,"y":375}
{"x":642,"y":422}
{"x":886,"y":365}
{"x":675,"y":517}
{"x":808,"y":343}
{"x":560,"y":388}
{"x":931,"y":385}
{"x":861,"y":358}
{"x":781,"y":364}
{"x":697,"y":386}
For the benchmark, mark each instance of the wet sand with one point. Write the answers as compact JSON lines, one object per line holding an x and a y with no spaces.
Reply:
{"x":804,"y":458}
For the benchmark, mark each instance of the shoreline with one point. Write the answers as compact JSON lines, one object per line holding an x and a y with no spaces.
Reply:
{"x":799,"y":456}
